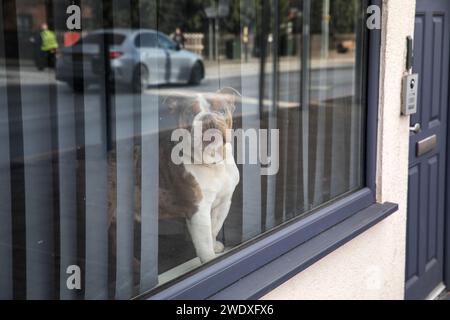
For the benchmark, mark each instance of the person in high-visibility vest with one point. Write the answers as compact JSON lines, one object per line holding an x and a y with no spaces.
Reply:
{"x":46,"y":47}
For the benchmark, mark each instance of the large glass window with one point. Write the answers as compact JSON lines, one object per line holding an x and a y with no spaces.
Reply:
{"x":125,"y":165}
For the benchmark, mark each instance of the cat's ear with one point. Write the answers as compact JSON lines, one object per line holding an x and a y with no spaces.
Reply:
{"x":176,"y":103}
{"x":231,"y":95}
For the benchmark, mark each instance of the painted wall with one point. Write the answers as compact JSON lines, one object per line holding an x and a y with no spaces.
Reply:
{"x":372,"y":265}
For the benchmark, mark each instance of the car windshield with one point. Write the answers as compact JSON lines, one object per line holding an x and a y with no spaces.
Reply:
{"x":112,"y":39}
{"x":165,"y":43}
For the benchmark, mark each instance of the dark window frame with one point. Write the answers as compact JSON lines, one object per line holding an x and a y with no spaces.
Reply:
{"x":349,"y":213}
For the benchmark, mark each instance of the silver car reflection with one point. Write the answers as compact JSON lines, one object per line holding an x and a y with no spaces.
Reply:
{"x":138,"y":58}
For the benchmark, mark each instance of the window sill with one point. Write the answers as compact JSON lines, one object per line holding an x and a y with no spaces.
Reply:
{"x":319,"y":233}
{"x":260,"y":282}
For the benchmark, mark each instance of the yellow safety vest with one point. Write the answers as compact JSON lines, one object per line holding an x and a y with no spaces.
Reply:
{"x":49,"y":41}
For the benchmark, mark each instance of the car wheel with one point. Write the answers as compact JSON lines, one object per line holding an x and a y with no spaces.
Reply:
{"x":140,"y":79}
{"x":196,"y":74}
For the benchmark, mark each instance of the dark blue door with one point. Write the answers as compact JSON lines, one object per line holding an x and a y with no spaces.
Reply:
{"x":427,"y":171}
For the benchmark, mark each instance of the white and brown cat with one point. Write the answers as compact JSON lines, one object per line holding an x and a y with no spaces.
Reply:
{"x":199,"y":187}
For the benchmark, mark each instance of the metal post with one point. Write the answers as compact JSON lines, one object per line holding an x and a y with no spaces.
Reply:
{"x":216,"y":38}
{"x":245,"y":39}
{"x":305,"y":98}
{"x":321,"y":110}
{"x":325,"y":28}
{"x":211,"y":39}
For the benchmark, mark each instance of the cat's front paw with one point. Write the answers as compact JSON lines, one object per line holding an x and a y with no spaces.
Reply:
{"x":219,"y":247}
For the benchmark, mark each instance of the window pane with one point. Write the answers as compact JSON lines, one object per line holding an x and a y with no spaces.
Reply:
{"x":147,"y":40}
{"x":165,"y":42}
{"x":126,"y":165}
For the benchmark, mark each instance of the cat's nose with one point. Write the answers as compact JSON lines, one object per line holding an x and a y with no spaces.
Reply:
{"x":212,"y":121}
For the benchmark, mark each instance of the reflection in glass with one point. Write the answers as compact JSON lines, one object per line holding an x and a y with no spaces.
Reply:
{"x":87,"y":175}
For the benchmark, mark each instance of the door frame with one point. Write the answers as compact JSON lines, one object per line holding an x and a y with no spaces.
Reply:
{"x":447,"y":204}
